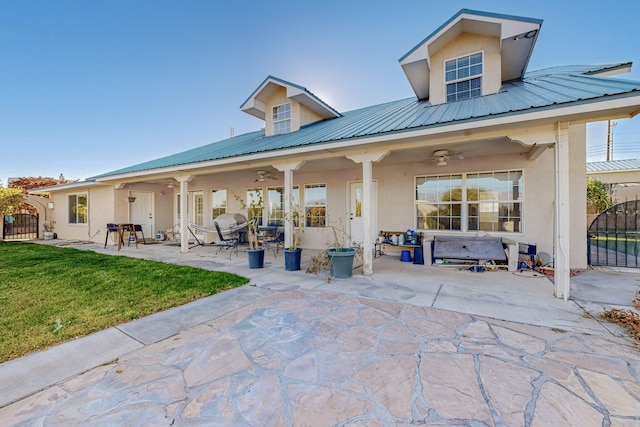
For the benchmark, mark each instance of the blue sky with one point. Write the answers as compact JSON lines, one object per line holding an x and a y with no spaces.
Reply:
{"x":87,"y":87}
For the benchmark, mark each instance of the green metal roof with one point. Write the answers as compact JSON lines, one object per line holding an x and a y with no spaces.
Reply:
{"x":614,"y":166}
{"x":549,"y":88}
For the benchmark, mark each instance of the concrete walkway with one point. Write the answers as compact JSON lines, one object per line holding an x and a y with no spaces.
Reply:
{"x":409,"y":345}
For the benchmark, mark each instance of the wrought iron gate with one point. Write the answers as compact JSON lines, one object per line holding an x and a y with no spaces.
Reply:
{"x":613,"y":238}
{"x":22,"y":226}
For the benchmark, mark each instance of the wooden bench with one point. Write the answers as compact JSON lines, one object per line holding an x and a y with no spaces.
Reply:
{"x":386,"y":244}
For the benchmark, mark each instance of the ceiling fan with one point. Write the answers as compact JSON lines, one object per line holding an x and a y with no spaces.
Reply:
{"x":441,"y":156}
{"x":262,"y":175}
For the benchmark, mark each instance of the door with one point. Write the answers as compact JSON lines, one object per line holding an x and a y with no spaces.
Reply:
{"x":141,"y":212}
{"x":356,"y":226}
{"x":195,"y":209}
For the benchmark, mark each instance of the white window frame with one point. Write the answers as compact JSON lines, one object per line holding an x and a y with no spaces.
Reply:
{"x":465,"y":203}
{"x":69,"y":204}
{"x":275,"y":208}
{"x":255,"y":196}
{"x":309,"y":200}
{"x":281,"y":115}
{"x":468,"y":78}
{"x":225,"y":205}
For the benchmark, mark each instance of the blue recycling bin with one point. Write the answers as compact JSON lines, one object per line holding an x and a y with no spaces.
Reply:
{"x":418,"y":257}
{"x":405,"y":256}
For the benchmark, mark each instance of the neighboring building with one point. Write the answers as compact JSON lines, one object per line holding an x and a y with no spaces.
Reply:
{"x":484,"y":146}
{"x":623,"y":177}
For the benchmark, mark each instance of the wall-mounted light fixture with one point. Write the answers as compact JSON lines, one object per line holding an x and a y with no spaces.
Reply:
{"x":50,"y":205}
{"x":131,"y":199}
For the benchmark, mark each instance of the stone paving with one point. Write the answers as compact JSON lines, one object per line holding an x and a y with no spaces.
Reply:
{"x":319,"y":358}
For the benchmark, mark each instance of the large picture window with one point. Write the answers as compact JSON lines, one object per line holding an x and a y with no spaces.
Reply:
{"x":488,"y":201}
{"x":77,"y":208}
{"x":315,"y":205}
{"x":275,"y":204}
{"x":463,"y":77}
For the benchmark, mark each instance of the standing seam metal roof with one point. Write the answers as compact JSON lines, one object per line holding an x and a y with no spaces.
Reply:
{"x":548,"y":88}
{"x":614,"y":166}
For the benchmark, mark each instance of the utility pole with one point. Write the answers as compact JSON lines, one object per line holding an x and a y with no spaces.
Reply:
{"x":610,"y":129}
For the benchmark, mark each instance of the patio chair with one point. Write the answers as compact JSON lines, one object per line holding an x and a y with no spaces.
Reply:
{"x":228,"y":243}
{"x":275,"y":241}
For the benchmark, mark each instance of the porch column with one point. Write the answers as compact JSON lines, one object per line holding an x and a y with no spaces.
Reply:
{"x":367,"y":160}
{"x":184,"y":218}
{"x":562,"y":236}
{"x":287,"y":169}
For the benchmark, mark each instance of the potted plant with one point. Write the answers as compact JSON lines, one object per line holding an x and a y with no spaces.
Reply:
{"x":255,"y":252}
{"x":338,"y":257}
{"x":293,"y":254}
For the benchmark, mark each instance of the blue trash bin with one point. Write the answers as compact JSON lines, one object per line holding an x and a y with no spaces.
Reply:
{"x":418,"y":258}
{"x":405,"y":256}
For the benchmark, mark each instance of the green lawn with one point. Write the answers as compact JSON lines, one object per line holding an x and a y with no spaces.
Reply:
{"x":49,"y":295}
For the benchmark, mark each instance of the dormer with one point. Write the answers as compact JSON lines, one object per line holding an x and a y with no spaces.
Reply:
{"x":470,"y":55}
{"x":285,"y":107}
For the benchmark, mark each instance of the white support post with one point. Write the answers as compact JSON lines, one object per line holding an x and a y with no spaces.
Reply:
{"x":562,"y":240}
{"x":288,"y":219}
{"x":287,"y":169}
{"x":367,"y":197}
{"x":184,"y":218}
{"x":367,"y":160}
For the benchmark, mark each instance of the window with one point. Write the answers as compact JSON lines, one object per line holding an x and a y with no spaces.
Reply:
{"x":195,"y":207}
{"x":463,"y":77}
{"x":495,"y":201}
{"x":218,"y":203}
{"x":275,"y":204}
{"x":77,"y":204}
{"x":315,"y":205}
{"x":282,"y":119}
{"x":439,"y":202}
{"x":491,"y":201}
{"x":254,"y":202}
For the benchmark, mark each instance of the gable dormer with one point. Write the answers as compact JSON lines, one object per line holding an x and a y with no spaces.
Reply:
{"x":470,"y":55}
{"x":285,"y":107}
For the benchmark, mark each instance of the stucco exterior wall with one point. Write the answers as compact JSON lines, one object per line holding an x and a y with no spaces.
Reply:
{"x":100,"y":200}
{"x":300,"y":115}
{"x":466,"y":44}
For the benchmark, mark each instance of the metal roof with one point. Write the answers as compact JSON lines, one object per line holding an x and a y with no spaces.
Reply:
{"x":614,"y":166}
{"x":539,"y":90}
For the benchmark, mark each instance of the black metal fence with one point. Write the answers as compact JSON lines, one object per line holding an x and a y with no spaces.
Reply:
{"x":20,"y":226}
{"x":613,"y":238}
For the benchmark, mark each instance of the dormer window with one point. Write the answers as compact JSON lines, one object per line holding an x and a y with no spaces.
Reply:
{"x":282,"y":119}
{"x":463,"y":77}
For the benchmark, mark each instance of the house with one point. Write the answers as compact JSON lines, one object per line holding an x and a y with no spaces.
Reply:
{"x":622,"y":176}
{"x":484,"y":146}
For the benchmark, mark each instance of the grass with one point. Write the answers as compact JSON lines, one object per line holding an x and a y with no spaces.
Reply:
{"x":50,"y":295}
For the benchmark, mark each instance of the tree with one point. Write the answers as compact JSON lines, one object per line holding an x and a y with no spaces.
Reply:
{"x":598,"y":197}
{"x":10,"y":200}
{"x":27,"y":183}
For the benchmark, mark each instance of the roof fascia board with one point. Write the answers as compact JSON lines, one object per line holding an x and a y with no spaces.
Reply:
{"x":62,"y":187}
{"x":470,"y":14}
{"x":557,"y":114}
{"x":257,"y":108}
{"x":611,"y":71}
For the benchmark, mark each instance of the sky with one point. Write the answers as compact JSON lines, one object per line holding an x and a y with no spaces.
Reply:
{"x":88,"y":87}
